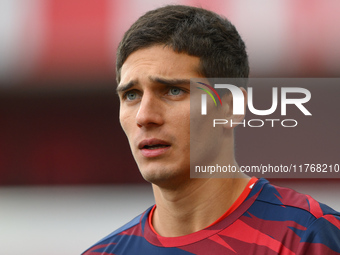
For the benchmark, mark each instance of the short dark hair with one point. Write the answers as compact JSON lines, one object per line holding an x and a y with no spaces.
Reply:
{"x":191,"y":30}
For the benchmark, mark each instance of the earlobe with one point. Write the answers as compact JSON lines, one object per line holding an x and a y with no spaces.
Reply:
{"x":227,"y":100}
{"x":234,"y":119}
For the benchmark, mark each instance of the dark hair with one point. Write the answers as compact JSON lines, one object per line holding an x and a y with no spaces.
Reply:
{"x":191,"y":30}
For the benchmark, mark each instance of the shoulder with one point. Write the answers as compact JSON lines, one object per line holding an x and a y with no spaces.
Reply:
{"x":322,"y":235}
{"x":121,"y":235}
{"x":289,"y":198}
{"x":316,"y":225}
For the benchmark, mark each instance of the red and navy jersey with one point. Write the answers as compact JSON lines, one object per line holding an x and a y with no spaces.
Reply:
{"x":271,"y":220}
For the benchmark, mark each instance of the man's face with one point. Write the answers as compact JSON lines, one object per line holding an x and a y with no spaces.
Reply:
{"x":155,"y":111}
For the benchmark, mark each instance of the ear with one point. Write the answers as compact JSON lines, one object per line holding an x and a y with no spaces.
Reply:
{"x":228,"y":110}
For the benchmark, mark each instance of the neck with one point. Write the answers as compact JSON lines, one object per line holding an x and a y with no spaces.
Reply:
{"x":194,"y":205}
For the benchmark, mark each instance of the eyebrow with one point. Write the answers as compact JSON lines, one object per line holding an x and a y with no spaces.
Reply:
{"x":125,"y":87}
{"x":167,"y":82}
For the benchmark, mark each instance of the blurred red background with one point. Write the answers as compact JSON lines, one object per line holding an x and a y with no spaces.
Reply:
{"x":58,"y":108}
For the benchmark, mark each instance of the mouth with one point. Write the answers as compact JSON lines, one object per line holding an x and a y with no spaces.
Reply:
{"x":153,"y":147}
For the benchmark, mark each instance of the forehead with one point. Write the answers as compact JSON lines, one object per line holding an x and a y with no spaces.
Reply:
{"x":159,"y":61}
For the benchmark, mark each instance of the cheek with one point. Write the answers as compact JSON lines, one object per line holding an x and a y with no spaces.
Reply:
{"x":125,"y":120}
{"x":182,"y":125}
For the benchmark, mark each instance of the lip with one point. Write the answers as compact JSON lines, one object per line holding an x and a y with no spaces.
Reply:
{"x":151,"y":153}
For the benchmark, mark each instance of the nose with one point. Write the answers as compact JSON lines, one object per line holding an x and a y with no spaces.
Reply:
{"x":150,"y":112}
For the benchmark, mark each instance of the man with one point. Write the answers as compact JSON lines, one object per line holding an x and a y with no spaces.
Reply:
{"x":156,"y":59}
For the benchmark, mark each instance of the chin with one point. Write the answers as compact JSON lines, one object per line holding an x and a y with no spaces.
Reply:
{"x":156,"y":175}
{"x":163,"y":177}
